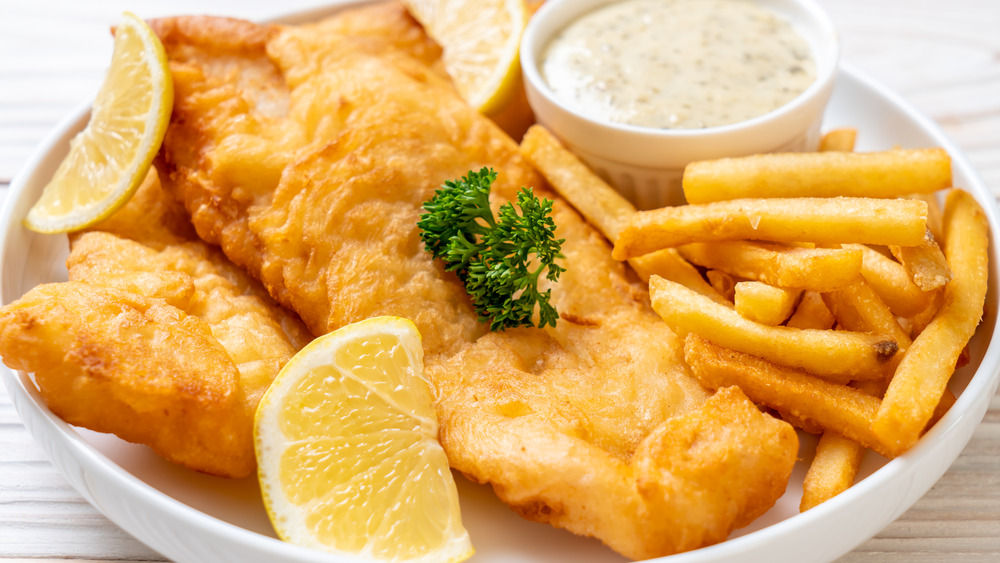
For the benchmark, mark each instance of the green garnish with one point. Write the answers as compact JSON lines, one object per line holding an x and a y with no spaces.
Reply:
{"x":493,"y":256}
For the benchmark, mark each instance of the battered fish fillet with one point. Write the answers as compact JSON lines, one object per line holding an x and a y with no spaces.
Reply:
{"x":159,"y":340}
{"x":305,"y":154}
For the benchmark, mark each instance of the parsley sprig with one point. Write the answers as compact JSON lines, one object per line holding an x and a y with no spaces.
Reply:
{"x":500,"y":259}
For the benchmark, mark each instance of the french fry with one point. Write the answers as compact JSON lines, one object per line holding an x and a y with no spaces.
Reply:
{"x":948,"y":400}
{"x":920,"y":321}
{"x":603,"y":207}
{"x":922,"y":375}
{"x":832,"y":471}
{"x":835,"y":465}
{"x":858,"y":308}
{"x":818,"y":269}
{"x":821,"y":220}
{"x":875,"y":388}
{"x":889,"y":279}
{"x":724,"y":283}
{"x":812,"y":313}
{"x":764,"y":303}
{"x":934,"y":213}
{"x":600,"y":204}
{"x":842,"y":409}
{"x":839,"y":356}
{"x":925,"y":263}
{"x":668,"y":264}
{"x":838,"y":140}
{"x":836,"y":461}
{"x":803,"y":424}
{"x":886,"y":174}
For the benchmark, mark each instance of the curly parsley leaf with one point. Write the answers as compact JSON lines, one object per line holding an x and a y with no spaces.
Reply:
{"x":499,"y":259}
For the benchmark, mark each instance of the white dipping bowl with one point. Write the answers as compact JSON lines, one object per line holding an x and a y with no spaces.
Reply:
{"x":646,"y":164}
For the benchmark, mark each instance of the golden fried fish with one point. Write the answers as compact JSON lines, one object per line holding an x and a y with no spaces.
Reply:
{"x":159,"y":340}
{"x":305,"y":153}
{"x":114,"y":361}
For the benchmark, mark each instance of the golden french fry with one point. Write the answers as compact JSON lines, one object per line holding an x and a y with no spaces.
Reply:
{"x":877,"y":388}
{"x":600,"y":204}
{"x":933,"y":214}
{"x":832,"y":470}
{"x":803,"y":424}
{"x":925,"y":263}
{"x":886,"y":174}
{"x":603,"y":207}
{"x":668,"y":264}
{"x":944,"y":405}
{"x":836,"y":461}
{"x":818,"y":269}
{"x":858,"y":308}
{"x":724,"y":283}
{"x":839,"y":408}
{"x":920,"y":321}
{"x":763,"y":303}
{"x":820,"y":220}
{"x":835,"y":464}
{"x":812,"y":313}
{"x":889,"y":279}
{"x":839,"y":356}
{"x":838,"y":140}
{"x":919,"y":382}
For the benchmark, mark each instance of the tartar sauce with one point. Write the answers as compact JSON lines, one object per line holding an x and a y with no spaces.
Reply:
{"x":678,"y":64}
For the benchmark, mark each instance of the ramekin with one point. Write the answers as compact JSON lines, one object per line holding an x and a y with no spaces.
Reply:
{"x":646,"y":164}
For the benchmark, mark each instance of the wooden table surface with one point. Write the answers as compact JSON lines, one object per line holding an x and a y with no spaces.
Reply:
{"x":943,"y":57}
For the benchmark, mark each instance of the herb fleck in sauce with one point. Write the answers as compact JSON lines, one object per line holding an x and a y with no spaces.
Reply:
{"x":678,"y":64}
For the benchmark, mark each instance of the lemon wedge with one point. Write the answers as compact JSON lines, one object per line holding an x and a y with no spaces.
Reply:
{"x":480,"y":40}
{"x":109,"y":159}
{"x":347,"y":450}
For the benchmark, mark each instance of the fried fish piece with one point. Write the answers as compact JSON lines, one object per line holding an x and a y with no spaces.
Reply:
{"x":149,"y":247}
{"x":113,"y":361}
{"x":258,"y":335}
{"x":306,"y":152}
{"x":162,"y":342}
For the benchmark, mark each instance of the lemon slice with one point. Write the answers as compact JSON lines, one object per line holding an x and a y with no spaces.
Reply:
{"x":347,"y":450}
{"x":109,"y":159}
{"x":479,"y":39}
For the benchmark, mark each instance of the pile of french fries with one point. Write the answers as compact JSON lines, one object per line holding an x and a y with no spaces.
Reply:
{"x":830,"y":287}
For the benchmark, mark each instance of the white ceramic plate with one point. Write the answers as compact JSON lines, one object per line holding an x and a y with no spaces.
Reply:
{"x":190,"y":517}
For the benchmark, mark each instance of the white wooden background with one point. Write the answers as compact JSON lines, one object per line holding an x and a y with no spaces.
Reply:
{"x":941,"y":55}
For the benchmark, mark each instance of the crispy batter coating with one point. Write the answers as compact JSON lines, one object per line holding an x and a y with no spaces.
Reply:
{"x":159,"y":340}
{"x":305,"y":154}
{"x":108,"y":360}
{"x":258,"y":335}
{"x":149,"y":248}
